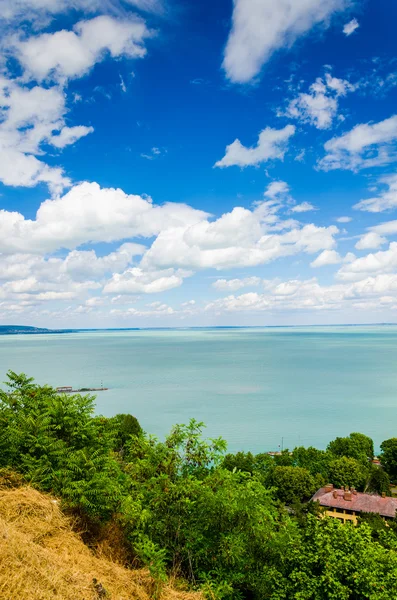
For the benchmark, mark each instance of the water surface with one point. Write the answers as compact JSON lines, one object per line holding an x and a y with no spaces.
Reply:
{"x":258,"y":388}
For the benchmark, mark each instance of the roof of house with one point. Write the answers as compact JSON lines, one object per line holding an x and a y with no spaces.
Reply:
{"x":369,"y":503}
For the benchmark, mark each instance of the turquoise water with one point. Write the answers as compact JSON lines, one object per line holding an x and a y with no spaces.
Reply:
{"x":251,"y":386}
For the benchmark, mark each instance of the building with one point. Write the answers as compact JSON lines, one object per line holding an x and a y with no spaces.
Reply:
{"x":347,"y":505}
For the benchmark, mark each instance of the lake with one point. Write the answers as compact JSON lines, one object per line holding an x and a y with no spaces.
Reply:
{"x":259,"y":388}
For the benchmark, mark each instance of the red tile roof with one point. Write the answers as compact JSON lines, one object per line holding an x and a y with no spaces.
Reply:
{"x":386,"y":507}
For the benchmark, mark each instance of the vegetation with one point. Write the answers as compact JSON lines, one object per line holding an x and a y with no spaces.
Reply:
{"x":42,"y":557}
{"x":236,"y":526}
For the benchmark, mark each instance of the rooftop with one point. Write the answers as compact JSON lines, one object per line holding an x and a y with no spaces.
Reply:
{"x":357,"y":501}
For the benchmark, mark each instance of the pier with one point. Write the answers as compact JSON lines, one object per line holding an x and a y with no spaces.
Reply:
{"x":70,"y":390}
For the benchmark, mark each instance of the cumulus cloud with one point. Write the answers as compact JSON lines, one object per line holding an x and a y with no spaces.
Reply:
{"x":272,"y":144}
{"x":344,"y":219}
{"x":28,"y":118}
{"x":303,"y":207}
{"x":154,"y":309}
{"x":369,"y":293}
{"x":387,"y":200}
{"x":366,"y":145}
{"x":374,"y":263}
{"x":319,"y":106}
{"x":32,"y":117}
{"x":370,"y":240}
{"x":88,"y":213}
{"x":350,"y":27}
{"x":282,"y":296}
{"x":327,"y":257}
{"x":71,"y":54}
{"x":232,"y":285}
{"x":234,"y":240}
{"x":135,"y":280}
{"x":260,"y":27}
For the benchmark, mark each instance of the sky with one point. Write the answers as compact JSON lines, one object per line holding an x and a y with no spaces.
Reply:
{"x":173,"y":163}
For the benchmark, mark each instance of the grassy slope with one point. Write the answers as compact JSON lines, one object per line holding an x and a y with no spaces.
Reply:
{"x":42,"y":558}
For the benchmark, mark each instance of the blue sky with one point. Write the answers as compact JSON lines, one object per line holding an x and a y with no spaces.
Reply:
{"x":184,"y":163}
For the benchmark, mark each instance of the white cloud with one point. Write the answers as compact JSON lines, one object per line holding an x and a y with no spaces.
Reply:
{"x":135,"y":280}
{"x":303,"y":207}
{"x":154,"y":153}
{"x":40,"y":9}
{"x":319,"y":106}
{"x":370,"y":293}
{"x":260,"y":27}
{"x":283,"y":296}
{"x":386,"y":228}
{"x":88,"y":213}
{"x":272,"y":144}
{"x":386,"y":200}
{"x":69,"y":135}
{"x":366,"y":145}
{"x":233,"y":285}
{"x":237,"y":239}
{"x":370,"y":240}
{"x":327,"y":257}
{"x":375,"y":263}
{"x":28,"y":118}
{"x":18,"y":169}
{"x":350,"y":27}
{"x":154,"y":310}
{"x":71,"y":54}
{"x":344,"y":219}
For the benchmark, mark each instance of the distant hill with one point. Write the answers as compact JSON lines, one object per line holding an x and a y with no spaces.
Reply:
{"x":19,"y":329}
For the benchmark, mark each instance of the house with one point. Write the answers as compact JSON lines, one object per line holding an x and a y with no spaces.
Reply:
{"x":347,"y":504}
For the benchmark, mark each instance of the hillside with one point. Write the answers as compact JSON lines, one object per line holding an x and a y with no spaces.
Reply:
{"x":19,"y":329}
{"x":42,"y":558}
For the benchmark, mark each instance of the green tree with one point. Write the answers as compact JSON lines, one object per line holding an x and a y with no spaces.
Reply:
{"x":293,"y":484}
{"x":54,"y":441}
{"x":356,"y":445}
{"x":349,"y":472}
{"x":315,"y":461}
{"x":388,"y":457}
{"x":339,"y":562}
{"x":378,"y":481}
{"x":241,"y":461}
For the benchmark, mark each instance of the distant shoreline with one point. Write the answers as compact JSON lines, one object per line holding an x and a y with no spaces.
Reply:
{"x":27,"y":330}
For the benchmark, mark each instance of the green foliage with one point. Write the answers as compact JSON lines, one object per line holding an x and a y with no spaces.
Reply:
{"x":242,"y":461}
{"x":357,"y":445}
{"x":339,"y":562}
{"x":57,"y":444}
{"x":388,"y":457}
{"x":184,"y":507}
{"x":315,"y":461}
{"x":378,"y":481}
{"x":293,"y":484}
{"x":348,"y":472}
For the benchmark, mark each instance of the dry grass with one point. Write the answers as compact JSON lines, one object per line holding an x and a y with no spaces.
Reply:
{"x":42,"y":558}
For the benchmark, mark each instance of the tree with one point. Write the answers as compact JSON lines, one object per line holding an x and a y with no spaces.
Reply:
{"x":315,"y":461}
{"x":338,"y":562}
{"x":121,"y":427}
{"x":293,"y":484}
{"x":378,"y":481}
{"x":356,"y":445}
{"x":388,"y":457}
{"x":241,"y":461}
{"x":56,"y":443}
{"x":349,"y":472}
